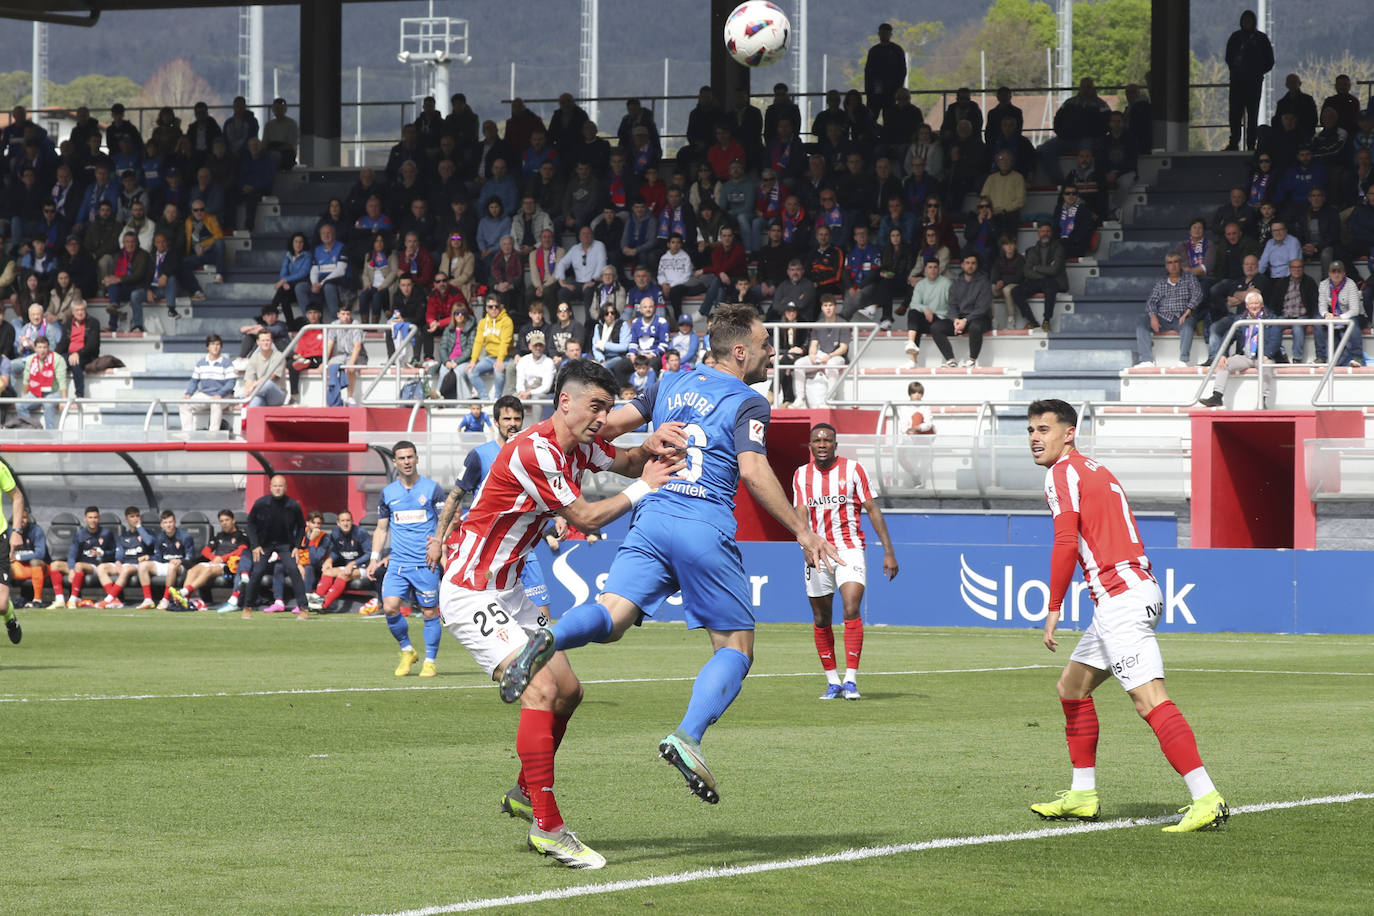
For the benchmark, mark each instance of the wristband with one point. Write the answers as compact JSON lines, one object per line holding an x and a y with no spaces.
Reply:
{"x":636,"y":491}
{"x":376,"y":556}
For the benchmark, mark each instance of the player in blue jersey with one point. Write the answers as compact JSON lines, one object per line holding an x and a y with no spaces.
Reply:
{"x":406,"y":516}
{"x":510,"y":419}
{"x":683,"y":535}
{"x":91,"y":548}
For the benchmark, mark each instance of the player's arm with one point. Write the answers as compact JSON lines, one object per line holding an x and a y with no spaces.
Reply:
{"x":379,"y":543}
{"x":586,"y":515}
{"x":1064,"y":553}
{"x":763,"y":485}
{"x":435,"y":546}
{"x":16,"y":496}
{"x":875,"y":515}
{"x":666,"y":439}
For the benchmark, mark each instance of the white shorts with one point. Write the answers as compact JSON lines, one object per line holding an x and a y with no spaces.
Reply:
{"x":821,"y":582}
{"x":1121,"y":638}
{"x":490,"y":624}
{"x":160,"y":568}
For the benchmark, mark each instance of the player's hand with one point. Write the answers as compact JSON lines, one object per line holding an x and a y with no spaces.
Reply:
{"x":1051,"y":621}
{"x":667,"y":440}
{"x":433,"y":550}
{"x":16,"y":540}
{"x":658,"y":471}
{"x":890,"y":565}
{"x":257,"y":554}
{"x":372,"y":568}
{"x":819,"y":553}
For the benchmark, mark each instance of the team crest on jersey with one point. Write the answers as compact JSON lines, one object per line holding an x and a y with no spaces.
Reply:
{"x":502,"y":635}
{"x":756,"y":429}
{"x":423,"y":499}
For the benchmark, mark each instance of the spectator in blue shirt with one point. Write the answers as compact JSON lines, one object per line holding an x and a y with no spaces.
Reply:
{"x":329,"y":275}
{"x":212,"y":381}
{"x":477,"y":420}
{"x":257,"y":172}
{"x":685,"y":342}
{"x":649,"y":332}
{"x":1279,"y":250}
{"x":1301,"y":177}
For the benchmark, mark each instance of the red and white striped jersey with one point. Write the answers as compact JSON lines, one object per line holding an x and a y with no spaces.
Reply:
{"x":529,"y":481}
{"x":1109,"y":546}
{"x":833,"y":499}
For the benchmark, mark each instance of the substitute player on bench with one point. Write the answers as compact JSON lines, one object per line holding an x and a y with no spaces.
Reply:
{"x":828,"y":492}
{"x":1093,"y":524}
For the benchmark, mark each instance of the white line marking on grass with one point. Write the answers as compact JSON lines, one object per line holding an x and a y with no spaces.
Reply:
{"x":1267,"y":671}
{"x":849,"y":855}
{"x":305,"y":691}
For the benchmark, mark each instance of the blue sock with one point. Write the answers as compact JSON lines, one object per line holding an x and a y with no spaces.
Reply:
{"x":400,"y":628}
{"x":717,"y":685}
{"x":434,"y":632}
{"x":583,"y":624}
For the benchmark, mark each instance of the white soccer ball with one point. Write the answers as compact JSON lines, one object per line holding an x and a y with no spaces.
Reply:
{"x":756,"y":33}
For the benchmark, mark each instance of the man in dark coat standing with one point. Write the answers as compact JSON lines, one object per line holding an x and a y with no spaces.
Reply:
{"x":1249,"y":55}
{"x":275,"y":525}
{"x":884,"y":71}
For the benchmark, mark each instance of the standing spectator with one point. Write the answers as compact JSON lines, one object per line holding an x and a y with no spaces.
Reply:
{"x":637,"y":117}
{"x":281,"y":135}
{"x":1294,"y":296}
{"x":826,"y":351}
{"x":261,"y":388}
{"x":1172,"y":306}
{"x":1044,"y":273}
{"x":781,"y":108}
{"x":1080,"y":122}
{"x":276,"y":525}
{"x":202,"y":132}
{"x":884,"y":71}
{"x":79,"y":346}
{"x":44,"y":378}
{"x":1249,"y":56}
{"x":1299,"y":104}
{"x":212,"y":381}
{"x":970,"y":311}
{"x":963,"y":108}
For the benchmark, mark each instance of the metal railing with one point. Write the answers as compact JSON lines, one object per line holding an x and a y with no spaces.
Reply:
{"x":857,"y":347}
{"x":1333,"y":352}
{"x":277,"y":363}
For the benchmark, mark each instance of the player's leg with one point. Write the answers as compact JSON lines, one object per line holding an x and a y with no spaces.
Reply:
{"x":12,"y":628}
{"x":105,"y":572}
{"x":424,"y":585}
{"x":822,"y":631}
{"x":78,"y":578}
{"x":56,"y":570}
{"x":1085,"y":672}
{"x":169,"y":585}
{"x":394,"y":590}
{"x":300,"y":607}
{"x":145,"y":582}
{"x":852,"y":595}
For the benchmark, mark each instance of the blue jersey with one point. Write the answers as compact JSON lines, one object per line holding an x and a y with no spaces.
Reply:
{"x":135,"y":544}
{"x":413,"y":515}
{"x":92,"y":547}
{"x":723,"y":418}
{"x":477,"y":465}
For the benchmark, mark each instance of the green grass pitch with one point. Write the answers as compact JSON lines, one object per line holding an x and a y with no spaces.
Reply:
{"x":188,"y":763}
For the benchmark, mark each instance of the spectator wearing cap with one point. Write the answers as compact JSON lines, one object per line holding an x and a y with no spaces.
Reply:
{"x":685,"y":342}
{"x":534,"y":373}
{"x":281,"y":135}
{"x":1338,"y":297}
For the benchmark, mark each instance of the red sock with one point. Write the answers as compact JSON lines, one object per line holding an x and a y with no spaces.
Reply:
{"x":56,"y":577}
{"x":148,"y":592}
{"x":825,"y":645}
{"x":560,"y":727}
{"x":112,"y":590}
{"x":1175,"y":736}
{"x":77,"y":579}
{"x":167,"y":591}
{"x":1080,"y":727}
{"x":535,"y":744}
{"x":853,"y":642}
{"x":337,"y":584}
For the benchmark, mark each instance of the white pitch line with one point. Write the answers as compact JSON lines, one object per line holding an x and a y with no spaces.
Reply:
{"x":849,"y":855}
{"x":1267,"y":671}
{"x":305,"y":691}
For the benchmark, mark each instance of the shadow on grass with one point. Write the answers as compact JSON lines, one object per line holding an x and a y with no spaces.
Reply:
{"x":726,"y":849}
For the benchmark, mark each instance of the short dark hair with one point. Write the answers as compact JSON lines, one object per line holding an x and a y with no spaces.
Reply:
{"x":584,"y":372}
{"x":404,"y":444}
{"x":226,"y":512}
{"x":508,"y":402}
{"x":820,"y":426}
{"x":731,"y":324}
{"x":132,"y":510}
{"x":168,"y":513}
{"x":213,"y":338}
{"x":314,"y":513}
{"x":90,"y":509}
{"x":1063,"y":411}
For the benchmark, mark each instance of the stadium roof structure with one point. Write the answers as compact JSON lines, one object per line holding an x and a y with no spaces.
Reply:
{"x":87,"y":12}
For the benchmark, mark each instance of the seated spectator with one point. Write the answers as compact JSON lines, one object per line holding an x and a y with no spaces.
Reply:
{"x":261,"y":387}
{"x":491,"y":348}
{"x":204,"y":247}
{"x":79,"y":346}
{"x":1235,"y":246}
{"x":256,"y":177}
{"x":372,"y":219}
{"x":1044,"y":273}
{"x":611,"y":290}
{"x":1318,"y":228}
{"x":768,"y":201}
{"x":1081,"y":121}
{"x":37,"y":261}
{"x":1360,"y":224}
{"x":62,"y":297}
{"x":935,"y":216}
{"x":224,"y":557}
{"x":931,"y":249}
{"x":1236,"y":210}
{"x":675,"y":216}
{"x":1338,"y":297}
{"x":1228,"y":301}
{"x":490,"y":229}
{"x":710,"y":220}
{"x":212,"y":382}
{"x":611,"y":341}
{"x":900,"y":218}
{"x":1171,"y":306}
{"x":793,"y":344}
{"x":528,"y":224}
{"x":736,"y":194}
{"x":439,"y":306}
{"x":1198,"y":254}
{"x":1294,"y":295}
{"x":173,"y":550}
{"x":1005,"y":190}
{"x":476,"y":421}
{"x":344,"y":352}
{"x":861,"y":278}
{"x":644,"y":375}
{"x":707,"y":185}
{"x":924,"y":166}
{"x":728,"y":263}
{"x":826,"y":350}
{"x":1300,"y":177}
{"x":30,"y":559}
{"x":534,"y":374}
{"x":1264,"y":221}
{"x":981,"y":233}
{"x":826,"y":267}
{"x":1280,"y":250}
{"x":43,"y":378}
{"x":637,"y":239}
{"x":967,"y":164}
{"x":378,"y":280}
{"x":929,"y":307}
{"x":507,"y":275}
{"x":130,"y":274}
{"x":725,"y":150}
{"x":608,"y":228}
{"x":796,"y":288}
{"x":164,"y":268}
{"x":970,"y":311}
{"x":677,"y":275}
{"x":1331,"y":149}
{"x":586,"y":259}
{"x":541,"y":284}
{"x":309,"y":351}
{"x":649,"y":333}
{"x":564,"y":329}
{"x":581,"y":198}
{"x":417,"y":219}
{"x":685,"y":343}
{"x":653,"y":190}
{"x":345,"y":566}
{"x":455,"y":351}
{"x":268,"y":320}
{"x":210,"y":193}
{"x":1246,"y":355}
{"x":1074,"y":223}
{"x":622,"y":184}
{"x":75,"y":260}
{"x":1008,"y":273}
{"x":330,"y":274}
{"x":414,"y":259}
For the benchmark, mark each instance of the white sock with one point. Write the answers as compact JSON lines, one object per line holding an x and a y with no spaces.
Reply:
{"x":1084,"y":779}
{"x":832,"y":677}
{"x":1199,"y":783}
{"x":851,"y":674}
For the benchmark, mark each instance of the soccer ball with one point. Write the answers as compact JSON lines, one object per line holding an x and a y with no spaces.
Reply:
{"x":756,"y":33}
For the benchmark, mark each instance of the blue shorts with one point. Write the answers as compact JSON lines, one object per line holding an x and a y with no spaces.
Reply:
{"x":404,"y":581}
{"x":661,"y":555}
{"x":532,"y":577}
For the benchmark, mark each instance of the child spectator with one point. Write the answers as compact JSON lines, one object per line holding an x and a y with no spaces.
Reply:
{"x":643,"y":377}
{"x":477,"y":420}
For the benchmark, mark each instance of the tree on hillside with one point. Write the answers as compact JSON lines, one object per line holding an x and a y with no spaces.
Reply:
{"x":15,"y":87}
{"x":1111,"y":41}
{"x":176,"y":83}
{"x":94,"y":90}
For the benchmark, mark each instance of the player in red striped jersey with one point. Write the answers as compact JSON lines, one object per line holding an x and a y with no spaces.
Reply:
{"x":828,"y":492}
{"x":538,"y":475}
{"x":1093,"y":524}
